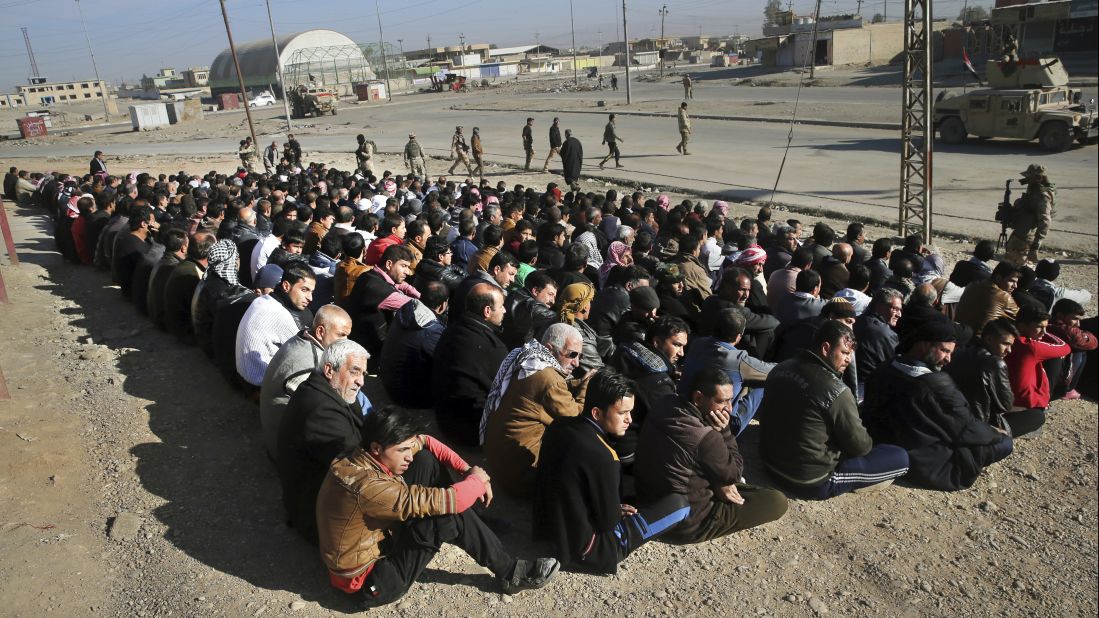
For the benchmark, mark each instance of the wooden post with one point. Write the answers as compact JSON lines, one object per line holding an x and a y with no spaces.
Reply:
{"x":8,"y":240}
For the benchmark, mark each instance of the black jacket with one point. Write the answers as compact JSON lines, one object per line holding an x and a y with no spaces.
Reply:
{"x":923,"y":412}
{"x":983,"y":380}
{"x":879,"y":273}
{"x":525,"y":317}
{"x":407,"y":355}
{"x":877,"y":343}
{"x":432,"y":270}
{"x":368,"y":322}
{"x":467,"y":357}
{"x":577,"y":504}
{"x":759,"y":330}
{"x":550,"y":256}
{"x":809,"y":421}
{"x":319,"y":425}
{"x":968,"y":271}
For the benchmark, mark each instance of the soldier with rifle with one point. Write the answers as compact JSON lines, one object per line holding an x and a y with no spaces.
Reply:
{"x":1030,"y":217}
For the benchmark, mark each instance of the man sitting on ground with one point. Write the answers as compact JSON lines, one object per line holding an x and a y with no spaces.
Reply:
{"x":271,"y":320}
{"x":529,"y":309}
{"x":987,"y":300}
{"x":745,"y":372}
{"x":912,"y":403}
{"x":578,"y":504}
{"x":805,"y":302}
{"x":378,"y":293}
{"x":874,"y":332}
{"x":981,"y":374}
{"x":531,"y":390}
{"x":369,"y":545}
{"x":1030,"y":384}
{"x":1064,"y":323}
{"x":410,"y":345}
{"x":322,"y":420}
{"x":811,"y":437}
{"x":466,"y":360}
{"x":295,"y":361}
{"x":976,"y":268}
{"x":687,"y":448}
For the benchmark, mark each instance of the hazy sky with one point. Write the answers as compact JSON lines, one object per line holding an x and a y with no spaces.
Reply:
{"x":135,"y":37}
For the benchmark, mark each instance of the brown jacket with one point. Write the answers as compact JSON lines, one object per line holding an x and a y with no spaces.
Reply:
{"x":696,"y":279}
{"x":358,"y":505}
{"x":481,"y":259}
{"x":983,"y":302}
{"x":513,"y":434}
{"x":313,"y":237}
{"x":346,"y":274}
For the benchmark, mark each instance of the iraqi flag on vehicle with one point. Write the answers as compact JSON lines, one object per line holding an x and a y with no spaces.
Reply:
{"x":969,"y":65}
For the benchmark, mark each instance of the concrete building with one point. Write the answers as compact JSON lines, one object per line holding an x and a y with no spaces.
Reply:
{"x":1048,"y":27}
{"x":166,"y":78}
{"x":10,"y":101}
{"x":331,"y":58}
{"x":197,"y":77}
{"x":41,"y":92}
{"x":840,"y":40}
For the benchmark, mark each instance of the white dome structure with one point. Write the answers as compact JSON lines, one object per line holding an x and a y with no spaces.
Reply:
{"x":331,"y":58}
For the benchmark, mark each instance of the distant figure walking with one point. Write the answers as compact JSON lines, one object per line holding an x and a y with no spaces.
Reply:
{"x":684,"y":129}
{"x":554,"y":141}
{"x":528,"y":142}
{"x":572,"y":157}
{"x":611,"y":139}
{"x":688,"y":87}
{"x":614,"y":83}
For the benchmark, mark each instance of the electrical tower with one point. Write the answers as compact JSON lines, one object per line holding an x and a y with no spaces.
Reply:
{"x":30,"y":52}
{"x":917,"y":128}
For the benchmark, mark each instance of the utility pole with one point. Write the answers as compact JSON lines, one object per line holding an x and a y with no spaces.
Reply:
{"x":884,"y":11}
{"x":30,"y":52}
{"x":400,"y":42}
{"x":813,"y":43}
{"x":240,"y":76}
{"x":858,"y":11}
{"x":626,"y":39}
{"x":102,"y":85}
{"x":572,"y":23}
{"x":462,"y":41}
{"x":917,"y":122}
{"x":381,"y":43}
{"x":278,"y":69}
{"x":663,"y":13}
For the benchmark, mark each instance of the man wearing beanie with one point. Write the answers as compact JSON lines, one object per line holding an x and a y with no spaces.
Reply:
{"x":912,"y":403}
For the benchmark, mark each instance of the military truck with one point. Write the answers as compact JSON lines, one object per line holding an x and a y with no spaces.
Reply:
{"x":315,"y":100}
{"x":1025,"y":99}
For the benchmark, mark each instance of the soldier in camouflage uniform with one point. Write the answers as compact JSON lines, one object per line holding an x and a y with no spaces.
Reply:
{"x":364,"y":155}
{"x":414,"y":157}
{"x":1033,"y":215}
{"x":684,"y":129}
{"x":247,"y":154}
{"x":460,"y":149}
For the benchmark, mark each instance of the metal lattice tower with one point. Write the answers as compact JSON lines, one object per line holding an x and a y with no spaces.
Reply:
{"x":30,"y":52}
{"x":917,"y":122}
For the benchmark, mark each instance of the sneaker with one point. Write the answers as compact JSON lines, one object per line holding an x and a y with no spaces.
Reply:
{"x":530,"y":575}
{"x":619,"y":165}
{"x":600,"y":166}
{"x":875,"y":487}
{"x":678,"y":148}
{"x":1072,"y":395}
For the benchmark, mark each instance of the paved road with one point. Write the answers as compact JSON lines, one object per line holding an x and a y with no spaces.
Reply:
{"x":849,"y":171}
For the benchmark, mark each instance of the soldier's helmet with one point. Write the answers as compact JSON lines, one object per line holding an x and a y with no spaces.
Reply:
{"x":1034,"y":171}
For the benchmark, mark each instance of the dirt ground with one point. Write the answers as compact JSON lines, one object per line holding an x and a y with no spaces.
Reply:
{"x":135,"y":483}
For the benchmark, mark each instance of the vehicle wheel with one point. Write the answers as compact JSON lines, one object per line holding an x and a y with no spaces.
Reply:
{"x":952,"y":131}
{"x":1054,"y":136}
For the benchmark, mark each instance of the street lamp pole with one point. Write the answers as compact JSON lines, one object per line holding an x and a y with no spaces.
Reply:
{"x":381,"y":42}
{"x":626,"y":40}
{"x":663,"y":13}
{"x":102,"y":86}
{"x":278,"y":69}
{"x":240,"y":76}
{"x":572,"y":22}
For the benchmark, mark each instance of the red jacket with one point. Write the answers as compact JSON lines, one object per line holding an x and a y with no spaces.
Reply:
{"x":1029,"y":382}
{"x":1077,"y":338}
{"x":377,"y":248}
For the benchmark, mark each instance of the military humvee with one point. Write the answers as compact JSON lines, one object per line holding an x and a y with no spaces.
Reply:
{"x":316,"y":100}
{"x":1026,"y":99}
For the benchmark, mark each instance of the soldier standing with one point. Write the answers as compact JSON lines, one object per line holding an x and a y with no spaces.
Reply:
{"x":478,"y":152}
{"x":414,"y":157}
{"x":684,"y":129}
{"x":554,"y":141}
{"x":295,"y":149}
{"x":688,"y":87}
{"x":459,"y":148}
{"x":614,"y":83}
{"x":247,"y":154}
{"x":1033,"y":215}
{"x":528,"y":141}
{"x":364,"y":155}
{"x":611,"y":139}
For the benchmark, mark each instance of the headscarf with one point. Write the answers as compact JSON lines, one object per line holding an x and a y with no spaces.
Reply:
{"x":223,"y":260}
{"x":722,"y":208}
{"x":520,"y":363}
{"x":616,"y":255}
{"x":751,"y":256}
{"x":663,"y":202}
{"x":572,"y":299}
